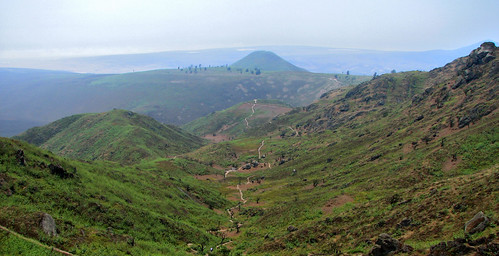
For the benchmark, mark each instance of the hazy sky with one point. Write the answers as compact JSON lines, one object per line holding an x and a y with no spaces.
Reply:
{"x":90,"y":27}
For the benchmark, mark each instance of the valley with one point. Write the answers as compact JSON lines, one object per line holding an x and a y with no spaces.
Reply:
{"x":292,"y":163}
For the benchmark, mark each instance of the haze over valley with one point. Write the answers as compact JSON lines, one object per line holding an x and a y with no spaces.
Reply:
{"x":249,"y":127}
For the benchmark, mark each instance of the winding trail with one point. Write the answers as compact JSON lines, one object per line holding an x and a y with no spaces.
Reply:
{"x":252,"y":113}
{"x":35,"y":242}
{"x":229,"y":171}
{"x":241,"y":193}
{"x":296,"y":133}
{"x":259,"y":154}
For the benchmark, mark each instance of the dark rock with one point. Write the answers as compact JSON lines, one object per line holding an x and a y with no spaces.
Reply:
{"x":344,"y":107}
{"x":59,"y":171}
{"x":474,"y":114}
{"x":433,"y":191}
{"x":419,"y":118}
{"x":386,"y":245}
{"x":459,"y":81}
{"x":292,"y":229}
{"x":375,"y":157}
{"x":405,"y":223}
{"x":489,"y":249}
{"x":48,"y":225}
{"x":477,"y":224}
{"x":20,"y":157}
{"x":455,"y":247}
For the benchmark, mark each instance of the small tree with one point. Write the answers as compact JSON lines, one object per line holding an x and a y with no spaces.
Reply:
{"x":348,"y":72}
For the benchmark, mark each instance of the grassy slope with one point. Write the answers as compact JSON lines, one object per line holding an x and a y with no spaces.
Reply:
{"x":384,"y":151}
{"x":266,"y":61}
{"x":231,"y":122}
{"x":118,"y":135}
{"x":152,"y":208}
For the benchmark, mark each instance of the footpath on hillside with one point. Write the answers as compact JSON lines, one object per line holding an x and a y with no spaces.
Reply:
{"x":37,"y":243}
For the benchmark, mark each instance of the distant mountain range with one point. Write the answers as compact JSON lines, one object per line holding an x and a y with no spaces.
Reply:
{"x":313,"y":59}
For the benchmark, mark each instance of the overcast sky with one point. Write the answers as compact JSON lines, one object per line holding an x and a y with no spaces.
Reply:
{"x":96,"y":27}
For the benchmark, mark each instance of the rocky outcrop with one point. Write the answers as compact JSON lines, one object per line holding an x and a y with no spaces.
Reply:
{"x":461,"y":246}
{"x":477,"y":224}
{"x":386,"y":245}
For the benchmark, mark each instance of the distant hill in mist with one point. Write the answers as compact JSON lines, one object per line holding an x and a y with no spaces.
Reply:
{"x":313,"y":59}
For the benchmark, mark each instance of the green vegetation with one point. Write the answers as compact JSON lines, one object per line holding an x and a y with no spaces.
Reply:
{"x":411,"y":154}
{"x":358,"y":162}
{"x":102,"y":207}
{"x":118,"y":135}
{"x":231,"y":121}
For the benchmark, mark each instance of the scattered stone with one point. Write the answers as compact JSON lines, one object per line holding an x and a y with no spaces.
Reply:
{"x":48,"y":225}
{"x":419,"y":118}
{"x":405,"y":223}
{"x":433,"y":191}
{"x":477,"y":224}
{"x":475,"y":114}
{"x":20,"y":157}
{"x":386,"y":245}
{"x":292,"y":229}
{"x":461,"y":246}
{"x":375,"y":157}
{"x":59,"y":171}
{"x":344,"y":107}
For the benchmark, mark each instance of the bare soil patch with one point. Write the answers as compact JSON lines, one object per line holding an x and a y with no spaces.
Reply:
{"x":218,"y":138}
{"x":336,"y":202}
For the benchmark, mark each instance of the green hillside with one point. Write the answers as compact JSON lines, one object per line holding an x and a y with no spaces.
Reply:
{"x":231,"y":122}
{"x":117,"y":135}
{"x":413,"y":155}
{"x":265,"y":61}
{"x":395,"y":165}
{"x":103,"y":208}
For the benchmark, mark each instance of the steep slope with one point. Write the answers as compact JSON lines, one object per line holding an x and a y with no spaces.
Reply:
{"x":265,"y":61}
{"x":104,"y":208}
{"x":231,"y":122}
{"x":117,"y":135}
{"x":410,"y":154}
{"x":170,"y":96}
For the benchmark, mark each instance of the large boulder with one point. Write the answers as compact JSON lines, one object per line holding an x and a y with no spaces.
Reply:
{"x":48,"y":225}
{"x":477,"y":224}
{"x":386,"y":245}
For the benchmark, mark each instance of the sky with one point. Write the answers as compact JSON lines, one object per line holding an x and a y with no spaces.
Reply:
{"x":64,"y":28}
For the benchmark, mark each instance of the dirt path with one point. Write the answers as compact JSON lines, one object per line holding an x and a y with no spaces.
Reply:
{"x":296,"y":133}
{"x":252,"y":113}
{"x":259,"y":154}
{"x":35,"y":242}
{"x":229,"y":171}
{"x":241,"y":193}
